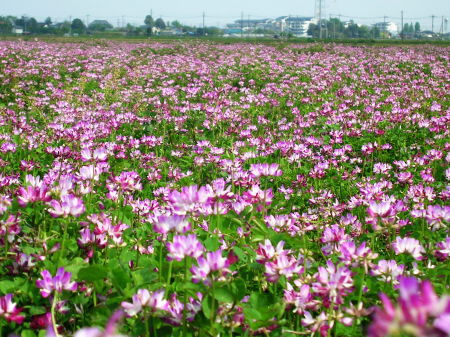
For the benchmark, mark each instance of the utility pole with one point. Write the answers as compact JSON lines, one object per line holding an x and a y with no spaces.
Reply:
{"x":320,"y":19}
{"x":334,"y":28}
{"x":432,"y":23}
{"x":70,"y":25}
{"x":203,"y":29}
{"x":242,"y":24}
{"x":402,"y":31}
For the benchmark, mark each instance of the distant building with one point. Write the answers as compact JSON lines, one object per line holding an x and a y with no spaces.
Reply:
{"x":387,"y":28}
{"x":247,"y":25}
{"x":171,"y":32}
{"x":295,"y":25}
{"x":17,"y":30}
{"x":232,"y":32}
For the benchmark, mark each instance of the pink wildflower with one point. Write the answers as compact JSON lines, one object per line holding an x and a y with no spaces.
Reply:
{"x":183,"y":246}
{"x":408,"y":245}
{"x":388,"y":271}
{"x":333,"y":283}
{"x":419,"y":312}
{"x":9,"y":311}
{"x":61,"y":281}
{"x":214,"y":261}
{"x":68,"y":205}
{"x":143,"y":298}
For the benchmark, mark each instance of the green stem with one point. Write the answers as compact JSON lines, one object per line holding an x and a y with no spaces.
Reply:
{"x":213,"y":302}
{"x":63,"y":244}
{"x":94,"y":298}
{"x":153,"y":327}
{"x":169,"y":274}
{"x":6,"y":243}
{"x":161,"y":262}
{"x":185,"y":297}
{"x":361,"y":288}
{"x":55,"y":299}
{"x":147,"y":326}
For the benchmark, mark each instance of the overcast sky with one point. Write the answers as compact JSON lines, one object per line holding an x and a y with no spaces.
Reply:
{"x":224,"y":11}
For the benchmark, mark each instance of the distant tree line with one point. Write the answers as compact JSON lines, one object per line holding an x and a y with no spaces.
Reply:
{"x":335,"y":28}
{"x":411,"y":30}
{"x":332,"y":28}
{"x":30,"y":26}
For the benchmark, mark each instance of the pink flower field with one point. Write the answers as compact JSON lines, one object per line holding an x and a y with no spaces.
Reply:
{"x":206,"y":189}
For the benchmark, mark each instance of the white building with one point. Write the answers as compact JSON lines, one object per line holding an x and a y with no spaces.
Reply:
{"x":17,"y":30}
{"x":250,"y":24}
{"x":298,"y":26}
{"x":295,"y":25}
{"x":389,"y":28}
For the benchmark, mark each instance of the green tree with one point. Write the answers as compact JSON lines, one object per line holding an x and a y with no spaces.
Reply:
{"x":405,"y":28}
{"x":176,"y":24}
{"x":335,"y":28}
{"x":78,"y":26}
{"x":159,"y":23}
{"x":150,"y":23}
{"x":5,"y":25}
{"x":376,"y":32}
{"x":351,"y":31}
{"x":63,"y":27}
{"x":46,"y":27}
{"x":417,"y":27}
{"x":32,"y":26}
{"x":313,"y":30}
{"x":133,"y":30}
{"x":100,"y":25}
{"x":364,"y":32}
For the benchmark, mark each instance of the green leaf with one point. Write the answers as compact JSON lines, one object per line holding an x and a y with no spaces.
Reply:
{"x":37,"y":310}
{"x":240,"y":254}
{"x":127,"y":255}
{"x":142,"y":277}
{"x":212,"y":244}
{"x":207,"y":305}
{"x":92,"y":273}
{"x":6,"y":286}
{"x":120,"y":278}
{"x":74,"y":266}
{"x":27,"y":333}
{"x":252,"y":314}
{"x":183,"y":286}
{"x":223,"y":295}
{"x":239,"y":289}
{"x":261,"y":300}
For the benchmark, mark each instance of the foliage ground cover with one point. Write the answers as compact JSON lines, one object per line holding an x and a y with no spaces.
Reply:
{"x":203,"y":189}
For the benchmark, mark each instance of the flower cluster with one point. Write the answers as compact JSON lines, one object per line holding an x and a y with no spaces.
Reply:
{"x":419,"y":312}
{"x":61,"y":281}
